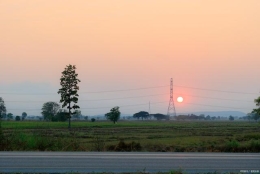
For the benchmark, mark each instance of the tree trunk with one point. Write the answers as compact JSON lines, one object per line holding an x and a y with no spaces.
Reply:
{"x":69,"y":116}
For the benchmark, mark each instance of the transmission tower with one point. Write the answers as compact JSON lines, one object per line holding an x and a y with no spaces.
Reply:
{"x":171,"y":108}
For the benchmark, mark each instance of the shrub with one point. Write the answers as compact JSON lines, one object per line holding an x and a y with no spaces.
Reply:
{"x":254,"y":146}
{"x":125,"y":147}
{"x":17,"y":118}
{"x":98,"y":144}
{"x":232,"y":146}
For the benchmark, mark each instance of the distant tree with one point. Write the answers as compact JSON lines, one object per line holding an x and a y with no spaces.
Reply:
{"x":93,"y":119}
{"x":86,"y":118}
{"x":201,"y":117}
{"x":9,"y":116}
{"x":193,"y":117}
{"x":39,"y":118}
{"x":231,"y":118}
{"x":2,"y":108}
{"x":69,"y":89}
{"x":182,"y":117}
{"x":49,"y":110}
{"x":141,"y":114}
{"x":249,"y":116}
{"x":113,"y":115}
{"x":208,"y":117}
{"x":17,"y":118}
{"x":254,"y":116}
{"x":160,"y":116}
{"x":24,"y":115}
{"x":77,"y":114}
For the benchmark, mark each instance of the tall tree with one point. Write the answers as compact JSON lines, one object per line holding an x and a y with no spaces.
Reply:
{"x":24,"y":115}
{"x":2,"y":113}
{"x":256,"y":112}
{"x":113,"y":115}
{"x":49,"y":110}
{"x":69,"y":89}
{"x":2,"y":108}
{"x":257,"y":103}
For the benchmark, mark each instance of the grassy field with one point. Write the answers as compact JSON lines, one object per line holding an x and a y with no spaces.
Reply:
{"x":165,"y":136}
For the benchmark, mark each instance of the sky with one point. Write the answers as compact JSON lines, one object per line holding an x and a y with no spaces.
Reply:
{"x":127,"y":51}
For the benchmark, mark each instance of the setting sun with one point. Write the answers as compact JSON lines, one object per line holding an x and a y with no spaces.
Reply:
{"x":179,"y":99}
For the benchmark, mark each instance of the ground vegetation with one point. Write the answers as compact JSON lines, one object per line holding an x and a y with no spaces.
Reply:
{"x":148,"y":136}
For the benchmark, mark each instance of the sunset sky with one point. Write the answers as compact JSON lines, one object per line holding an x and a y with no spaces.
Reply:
{"x":131,"y":48}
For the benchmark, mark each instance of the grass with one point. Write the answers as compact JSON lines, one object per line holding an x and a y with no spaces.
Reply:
{"x":141,"y":172}
{"x":168,"y":136}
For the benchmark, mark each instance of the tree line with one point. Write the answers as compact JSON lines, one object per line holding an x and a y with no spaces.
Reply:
{"x":9,"y":116}
{"x":52,"y":111}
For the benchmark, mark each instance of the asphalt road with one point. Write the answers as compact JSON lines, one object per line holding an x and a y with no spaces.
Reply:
{"x":64,"y":162}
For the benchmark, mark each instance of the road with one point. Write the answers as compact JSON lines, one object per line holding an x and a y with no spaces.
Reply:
{"x":64,"y":162}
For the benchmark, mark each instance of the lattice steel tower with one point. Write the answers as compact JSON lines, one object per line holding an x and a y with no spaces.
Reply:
{"x":171,"y":108}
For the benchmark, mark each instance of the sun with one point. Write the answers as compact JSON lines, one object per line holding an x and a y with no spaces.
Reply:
{"x":179,"y":99}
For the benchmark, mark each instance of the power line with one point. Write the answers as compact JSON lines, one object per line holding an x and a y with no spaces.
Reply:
{"x":216,"y":106}
{"x":120,"y":98}
{"x":100,"y":99}
{"x":118,"y":90}
{"x":216,"y":90}
{"x":216,"y":98}
{"x":125,"y":97}
{"x":140,"y":104}
{"x":133,"y":89}
{"x":106,"y":106}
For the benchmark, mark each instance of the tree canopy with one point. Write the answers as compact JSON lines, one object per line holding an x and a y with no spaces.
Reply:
{"x":2,"y":108}
{"x":9,"y":116}
{"x":114,"y":114}
{"x":49,"y":110}
{"x":231,"y":118}
{"x":141,"y":114}
{"x":160,"y":116}
{"x":69,"y":89}
{"x":24,"y":115}
{"x":62,"y":115}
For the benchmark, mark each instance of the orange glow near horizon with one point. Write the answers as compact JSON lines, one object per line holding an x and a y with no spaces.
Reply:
{"x":128,"y":44}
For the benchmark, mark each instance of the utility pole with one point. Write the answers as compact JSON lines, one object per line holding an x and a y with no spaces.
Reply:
{"x":149,"y":111}
{"x":171,"y":108}
{"x":149,"y":108}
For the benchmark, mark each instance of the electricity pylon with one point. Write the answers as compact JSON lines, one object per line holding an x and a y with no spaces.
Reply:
{"x":171,"y":108}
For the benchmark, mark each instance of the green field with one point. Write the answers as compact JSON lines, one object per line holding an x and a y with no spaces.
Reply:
{"x":151,"y":136}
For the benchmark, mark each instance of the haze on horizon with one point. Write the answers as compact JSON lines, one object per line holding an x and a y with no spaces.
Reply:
{"x":120,"y":45}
